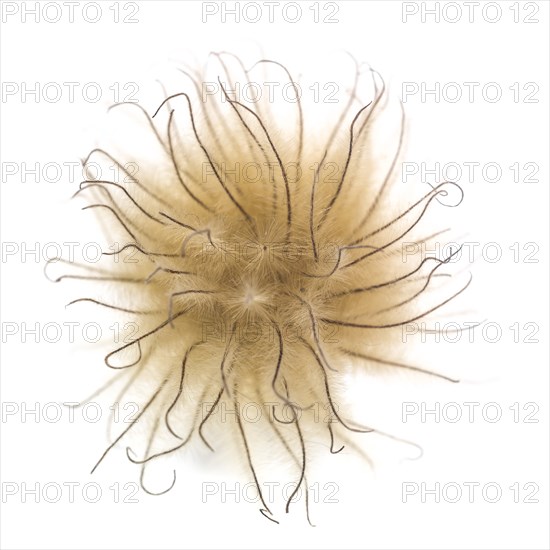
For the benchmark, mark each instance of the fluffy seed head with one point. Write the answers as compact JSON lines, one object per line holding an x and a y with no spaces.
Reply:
{"x":263,"y":252}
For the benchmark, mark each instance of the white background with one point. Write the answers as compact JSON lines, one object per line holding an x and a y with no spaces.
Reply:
{"x":370,"y":512}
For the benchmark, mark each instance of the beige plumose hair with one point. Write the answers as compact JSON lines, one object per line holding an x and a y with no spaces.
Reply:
{"x":267,"y":251}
